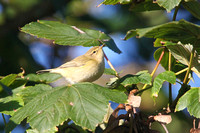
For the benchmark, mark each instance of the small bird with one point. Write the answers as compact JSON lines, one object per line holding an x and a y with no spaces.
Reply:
{"x":85,"y":68}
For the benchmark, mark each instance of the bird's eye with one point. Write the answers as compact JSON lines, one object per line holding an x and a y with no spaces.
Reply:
{"x":94,"y":52}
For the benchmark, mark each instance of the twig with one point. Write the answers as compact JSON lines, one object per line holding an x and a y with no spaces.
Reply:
{"x":189,"y":67}
{"x":165,"y":128}
{"x":175,"y":12}
{"x":170,"y":60}
{"x":111,"y":66}
{"x":159,"y":60}
{"x":157,"y":64}
{"x":109,"y":63}
{"x":4,"y":120}
{"x":194,"y":121}
{"x":140,"y":91}
{"x":131,"y":123}
{"x":170,"y":85}
{"x":181,"y":71}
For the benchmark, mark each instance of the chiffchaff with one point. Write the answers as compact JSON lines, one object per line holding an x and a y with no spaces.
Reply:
{"x":85,"y":68}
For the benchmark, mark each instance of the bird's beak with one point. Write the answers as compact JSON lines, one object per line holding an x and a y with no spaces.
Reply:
{"x":102,"y":46}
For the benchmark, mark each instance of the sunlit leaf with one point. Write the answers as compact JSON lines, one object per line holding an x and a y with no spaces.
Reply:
{"x":176,"y":31}
{"x":64,"y":34}
{"x":44,"y":77}
{"x":160,"y":42}
{"x":29,"y":93}
{"x":6,"y":81}
{"x":190,"y":100}
{"x":168,"y":4}
{"x":84,"y":103}
{"x":182,"y":53}
{"x":158,"y":81}
{"x":10,"y":104}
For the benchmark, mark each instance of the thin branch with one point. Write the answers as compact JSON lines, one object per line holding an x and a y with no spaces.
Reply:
{"x":131,"y":123}
{"x":109,"y":63}
{"x":194,"y":121}
{"x":181,"y":71}
{"x":140,"y":91}
{"x":198,"y":123}
{"x":4,"y":120}
{"x":111,"y":66}
{"x":170,"y":85}
{"x":175,"y":12}
{"x":185,"y":81}
{"x":159,"y":60}
{"x":165,"y":128}
{"x":170,"y":60}
{"x":157,"y":64}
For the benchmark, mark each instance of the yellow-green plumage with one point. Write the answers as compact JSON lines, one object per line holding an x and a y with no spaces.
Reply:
{"x":85,"y":68}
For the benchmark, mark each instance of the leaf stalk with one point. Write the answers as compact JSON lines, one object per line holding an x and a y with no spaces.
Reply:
{"x":185,"y":81}
{"x":4,"y":120}
{"x":155,"y":68}
{"x":170,"y":85}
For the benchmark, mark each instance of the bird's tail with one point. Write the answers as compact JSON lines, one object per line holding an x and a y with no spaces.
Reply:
{"x":43,"y":71}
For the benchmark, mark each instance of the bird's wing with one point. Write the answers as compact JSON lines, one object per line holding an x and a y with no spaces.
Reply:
{"x":77,"y":62}
{"x":71,"y":64}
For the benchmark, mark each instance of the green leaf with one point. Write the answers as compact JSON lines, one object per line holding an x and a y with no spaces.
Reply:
{"x":84,"y":103}
{"x":164,"y":62}
{"x":29,"y":93}
{"x":160,"y":42}
{"x":182,"y":53}
{"x":113,"y":2}
{"x":10,"y":104}
{"x":53,"y":130}
{"x":175,"y":31}
{"x":147,"y":5}
{"x":7,"y":81}
{"x":109,"y":71}
{"x":44,"y":77}
{"x":175,"y":66}
{"x":158,"y":81}
{"x":190,"y":100}
{"x":168,"y":4}
{"x":193,"y":7}
{"x":31,"y":131}
{"x":141,"y":77}
{"x":64,"y":34}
